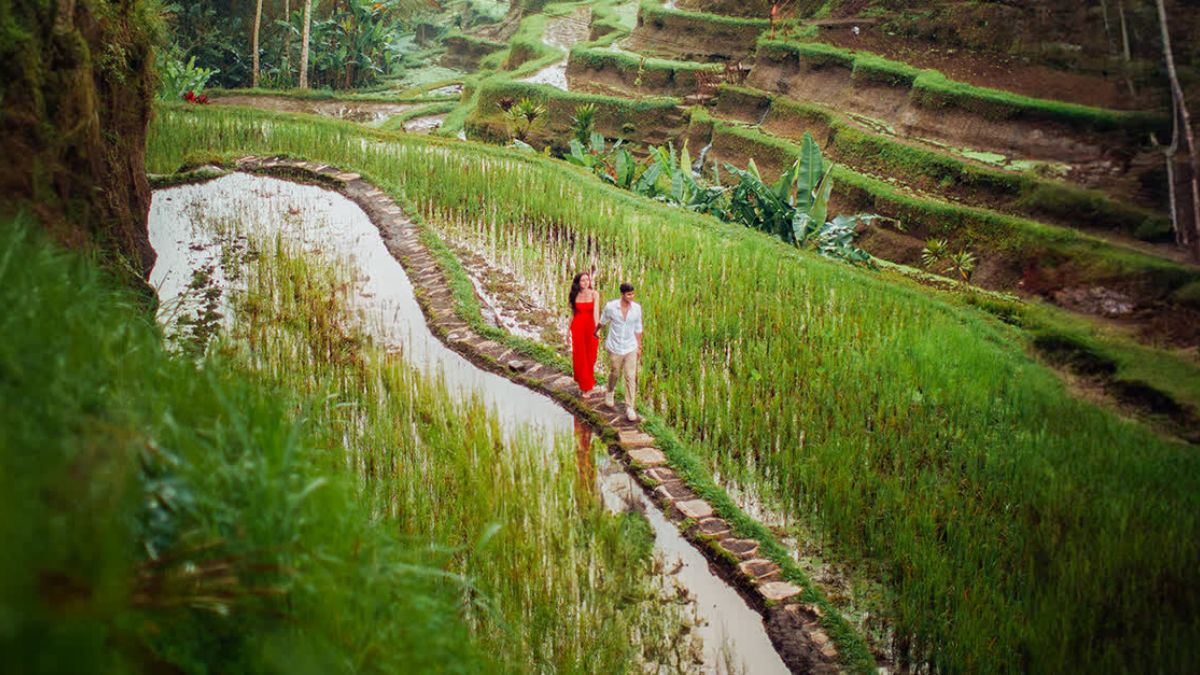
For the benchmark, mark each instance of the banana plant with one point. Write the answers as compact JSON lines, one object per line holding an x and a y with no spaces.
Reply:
{"x":796,"y":207}
{"x":685,"y":190}
{"x":615,"y":165}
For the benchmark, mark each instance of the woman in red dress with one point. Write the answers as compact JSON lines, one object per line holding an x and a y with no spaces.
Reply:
{"x":585,"y":305}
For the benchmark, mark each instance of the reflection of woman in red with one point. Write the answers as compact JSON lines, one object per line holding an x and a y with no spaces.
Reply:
{"x":585,"y":304}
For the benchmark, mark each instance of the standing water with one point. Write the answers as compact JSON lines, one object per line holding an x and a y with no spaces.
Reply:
{"x":564,"y":33}
{"x":186,"y":228}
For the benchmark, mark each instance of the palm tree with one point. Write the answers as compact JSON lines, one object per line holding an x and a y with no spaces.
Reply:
{"x":304,"y":44}
{"x":254,"y":45}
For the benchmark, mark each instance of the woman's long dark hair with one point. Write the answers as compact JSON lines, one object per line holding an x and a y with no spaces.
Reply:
{"x":576,"y":288}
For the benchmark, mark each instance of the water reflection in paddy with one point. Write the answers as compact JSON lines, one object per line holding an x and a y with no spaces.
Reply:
{"x":184,"y":226}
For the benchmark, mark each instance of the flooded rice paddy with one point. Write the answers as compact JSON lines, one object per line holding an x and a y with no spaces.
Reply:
{"x":194,"y":227}
{"x":371,"y":113}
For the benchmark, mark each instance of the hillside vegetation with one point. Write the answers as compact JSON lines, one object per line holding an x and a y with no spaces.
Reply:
{"x":1016,"y":527}
{"x":294,"y":501}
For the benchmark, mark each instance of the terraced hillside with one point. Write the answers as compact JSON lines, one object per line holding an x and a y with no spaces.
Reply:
{"x":955,"y":432}
{"x":1062,"y":202}
{"x":1041,"y":164}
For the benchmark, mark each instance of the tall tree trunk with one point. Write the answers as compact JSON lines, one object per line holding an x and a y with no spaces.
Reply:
{"x":1184,"y":119}
{"x":304,"y":44}
{"x":287,"y":41}
{"x":254,"y":43}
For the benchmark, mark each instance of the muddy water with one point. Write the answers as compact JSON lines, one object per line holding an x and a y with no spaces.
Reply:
{"x":326,"y":223}
{"x":371,"y":113}
{"x":424,"y":125}
{"x":562,"y":32}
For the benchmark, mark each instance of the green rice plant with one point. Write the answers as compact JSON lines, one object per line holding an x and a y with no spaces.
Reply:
{"x":155,"y":506}
{"x":1015,"y":526}
{"x":555,"y":582}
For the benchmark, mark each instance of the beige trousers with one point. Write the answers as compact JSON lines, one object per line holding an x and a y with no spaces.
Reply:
{"x":624,"y":364}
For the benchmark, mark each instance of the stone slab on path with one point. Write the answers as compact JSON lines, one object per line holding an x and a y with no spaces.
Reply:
{"x":647,"y":457}
{"x":695,"y":509}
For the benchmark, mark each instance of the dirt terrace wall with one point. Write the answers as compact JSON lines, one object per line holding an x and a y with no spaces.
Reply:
{"x":653,"y":121}
{"x":465,"y":52}
{"x":941,"y":174}
{"x":1065,"y":33}
{"x":603,"y":71}
{"x":834,"y":85}
{"x":687,"y":36}
{"x":758,"y":9}
{"x":75,"y":98}
{"x":1006,"y":261}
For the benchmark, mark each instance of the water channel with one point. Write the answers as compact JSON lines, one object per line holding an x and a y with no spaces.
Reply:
{"x":183,"y":223}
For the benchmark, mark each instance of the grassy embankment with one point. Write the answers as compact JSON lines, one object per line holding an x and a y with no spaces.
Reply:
{"x":874,"y":153}
{"x":1091,"y":258}
{"x":630,"y":72}
{"x":937,"y":172}
{"x":526,"y":54}
{"x":296,"y":499}
{"x":1017,"y":527}
{"x":698,"y":34}
{"x":932,"y":89}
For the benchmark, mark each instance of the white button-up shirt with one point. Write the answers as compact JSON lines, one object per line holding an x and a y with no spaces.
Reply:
{"x":622,"y":334}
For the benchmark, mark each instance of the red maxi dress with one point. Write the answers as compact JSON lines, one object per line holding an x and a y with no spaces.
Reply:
{"x":584,"y":345}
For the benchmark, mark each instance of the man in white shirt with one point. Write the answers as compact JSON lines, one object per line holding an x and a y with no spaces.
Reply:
{"x":624,"y":345}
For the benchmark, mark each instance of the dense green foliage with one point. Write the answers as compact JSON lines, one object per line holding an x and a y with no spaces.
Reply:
{"x":1017,"y":527}
{"x":353,"y":43}
{"x":297,"y":498}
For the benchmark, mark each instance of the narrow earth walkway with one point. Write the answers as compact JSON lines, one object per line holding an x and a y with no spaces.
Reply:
{"x":371,"y":113}
{"x":792,"y":625}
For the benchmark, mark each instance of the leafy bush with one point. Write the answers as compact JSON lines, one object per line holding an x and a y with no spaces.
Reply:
{"x":796,"y":207}
{"x":177,"y":78}
{"x":937,"y":254}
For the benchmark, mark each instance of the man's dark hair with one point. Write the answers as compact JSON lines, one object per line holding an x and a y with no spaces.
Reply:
{"x":626,"y":287}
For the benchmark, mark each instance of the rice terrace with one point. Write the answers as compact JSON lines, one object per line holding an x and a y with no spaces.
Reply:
{"x":606,"y":336}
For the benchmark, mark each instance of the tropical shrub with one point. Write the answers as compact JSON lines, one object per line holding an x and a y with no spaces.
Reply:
{"x":683,"y":189}
{"x":178,"y":79}
{"x":523,"y":117}
{"x":795,"y":208}
{"x":937,"y":256}
{"x":583,"y":124}
{"x":615,"y":165}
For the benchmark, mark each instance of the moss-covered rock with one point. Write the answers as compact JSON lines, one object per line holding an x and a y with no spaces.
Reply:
{"x":76,"y":83}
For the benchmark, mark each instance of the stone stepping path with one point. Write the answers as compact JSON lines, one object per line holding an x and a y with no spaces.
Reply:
{"x":793,"y":625}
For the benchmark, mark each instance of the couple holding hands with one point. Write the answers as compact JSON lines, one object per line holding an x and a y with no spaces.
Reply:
{"x":623,"y":317}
